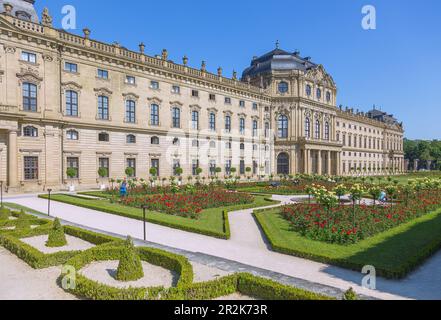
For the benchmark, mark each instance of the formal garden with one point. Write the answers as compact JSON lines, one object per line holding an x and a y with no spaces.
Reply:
{"x":101,"y":267}
{"x":395,"y":234}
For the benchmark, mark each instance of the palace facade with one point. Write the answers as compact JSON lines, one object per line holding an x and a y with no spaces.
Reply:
{"x":67,"y":101}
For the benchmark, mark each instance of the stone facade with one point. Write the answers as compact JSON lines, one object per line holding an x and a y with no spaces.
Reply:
{"x":69,"y":101}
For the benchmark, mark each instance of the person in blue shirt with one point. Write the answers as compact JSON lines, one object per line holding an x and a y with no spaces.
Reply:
{"x":382,"y":196}
{"x":123,"y":189}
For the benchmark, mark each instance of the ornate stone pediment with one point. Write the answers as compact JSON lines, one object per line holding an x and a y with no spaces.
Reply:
{"x":71,"y":86}
{"x":155,"y":100}
{"x":319,"y":75}
{"x":130,"y":96}
{"x":29,"y":74}
{"x":103,"y":91}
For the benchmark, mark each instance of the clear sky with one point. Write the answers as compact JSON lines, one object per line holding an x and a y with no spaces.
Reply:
{"x":396,"y":67}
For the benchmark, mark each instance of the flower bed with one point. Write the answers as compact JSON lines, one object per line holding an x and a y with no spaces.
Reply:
{"x":187,"y":204}
{"x":344,"y":225}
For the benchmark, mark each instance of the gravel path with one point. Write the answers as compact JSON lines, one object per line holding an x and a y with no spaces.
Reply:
{"x":18,"y":281}
{"x":246,"y":246}
{"x":73,"y":244}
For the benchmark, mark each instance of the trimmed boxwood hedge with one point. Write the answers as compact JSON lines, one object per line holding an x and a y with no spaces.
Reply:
{"x":10,"y":240}
{"x":90,"y":289}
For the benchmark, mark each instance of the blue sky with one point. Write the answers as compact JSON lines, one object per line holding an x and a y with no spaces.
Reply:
{"x":396,"y":67}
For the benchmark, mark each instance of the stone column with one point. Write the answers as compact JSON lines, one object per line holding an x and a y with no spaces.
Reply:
{"x":309,"y":161}
{"x":319,"y":162}
{"x":329,"y":169}
{"x":12,"y":159}
{"x":338,"y":163}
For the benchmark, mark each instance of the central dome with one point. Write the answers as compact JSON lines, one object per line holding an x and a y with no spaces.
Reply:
{"x":277,"y":60}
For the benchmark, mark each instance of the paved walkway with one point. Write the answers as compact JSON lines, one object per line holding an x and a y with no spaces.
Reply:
{"x":248,"y":247}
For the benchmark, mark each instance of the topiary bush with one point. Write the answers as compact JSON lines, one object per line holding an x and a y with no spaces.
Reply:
{"x":56,"y":238}
{"x":350,"y":295}
{"x":130,"y":267}
{"x":23,"y":222}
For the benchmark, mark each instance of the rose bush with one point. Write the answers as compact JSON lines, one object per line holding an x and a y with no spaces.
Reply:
{"x":187,"y":204}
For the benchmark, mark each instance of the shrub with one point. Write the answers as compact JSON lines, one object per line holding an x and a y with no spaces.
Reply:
{"x":5,"y":214}
{"x":56,"y":237}
{"x":130,"y":267}
{"x":350,"y":295}
{"x":71,"y":172}
{"x":103,"y":172}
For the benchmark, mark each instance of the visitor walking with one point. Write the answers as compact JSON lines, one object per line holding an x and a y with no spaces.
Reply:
{"x":123,"y":189}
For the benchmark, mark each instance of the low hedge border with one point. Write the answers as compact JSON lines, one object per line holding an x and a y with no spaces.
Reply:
{"x":224,"y":236}
{"x":38,"y":260}
{"x":399,"y":273}
{"x":185,"y":289}
{"x":93,"y":290}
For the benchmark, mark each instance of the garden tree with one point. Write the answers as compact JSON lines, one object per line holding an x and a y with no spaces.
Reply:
{"x":56,"y":237}
{"x":153,"y":174}
{"x":391,"y":191}
{"x":103,"y":173}
{"x":179,"y":171}
{"x":233,"y":170}
{"x":423,"y":151}
{"x":129,"y":267}
{"x":218,"y":170}
{"x":356,"y":193}
{"x":375,"y":193}
{"x":350,"y":295}
{"x":71,"y":173}
{"x":130,"y":172}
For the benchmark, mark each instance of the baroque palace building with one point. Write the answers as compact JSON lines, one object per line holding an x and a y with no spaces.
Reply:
{"x":70,"y":101}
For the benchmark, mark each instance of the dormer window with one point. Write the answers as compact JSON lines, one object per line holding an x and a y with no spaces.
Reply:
{"x":283,"y":87}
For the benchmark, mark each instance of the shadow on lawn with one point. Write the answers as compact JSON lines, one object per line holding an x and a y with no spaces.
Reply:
{"x":413,"y":254}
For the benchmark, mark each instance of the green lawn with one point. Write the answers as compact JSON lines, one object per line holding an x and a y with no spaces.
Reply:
{"x":212,"y":221}
{"x":393,"y":253}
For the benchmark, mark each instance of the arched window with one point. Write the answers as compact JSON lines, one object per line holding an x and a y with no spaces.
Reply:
{"x":154,"y":115}
{"x":328,"y":96}
{"x":130,"y":111}
{"x":242,"y":125}
{"x":317,"y":129}
{"x":308,"y":90}
{"x":30,"y":131}
{"x":212,"y":144}
{"x":103,"y":137}
{"x":307,"y":128}
{"x":29,"y":97}
{"x":326,"y":130}
{"x":319,"y":93}
{"x":72,"y":135}
{"x":176,"y":117}
{"x":212,"y":121}
{"x":195,"y":120}
{"x":154,"y":140}
{"x":131,"y":138}
{"x":283,"y":127}
{"x":103,"y":108}
{"x":283,"y":164}
{"x":242,"y":146}
{"x":71,"y":103}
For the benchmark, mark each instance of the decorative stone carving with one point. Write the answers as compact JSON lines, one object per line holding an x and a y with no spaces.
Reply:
{"x":71,"y":86}
{"x":46,"y":18}
{"x":319,"y":75}
{"x":103,"y":92}
{"x":29,"y":75}
{"x":47,"y":57}
{"x":130,"y":96}
{"x":9,"y":49}
{"x":164,"y":54}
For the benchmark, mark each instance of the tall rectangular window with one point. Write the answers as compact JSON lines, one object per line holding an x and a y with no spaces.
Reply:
{"x":155,"y":164}
{"x":74,"y":163}
{"x":31,"y":168}
{"x":242,"y":167}
{"x":154,"y":115}
{"x":228,"y":167}
{"x":194,"y":167}
{"x":212,"y":167}
{"x":242,"y":125}
{"x":195,"y":120}
{"x":176,"y":117}
{"x":29,"y":57}
{"x":71,"y":67}
{"x":228,"y":124}
{"x":212,"y":121}
{"x":103,"y":108}
{"x":29,"y":97}
{"x":71,"y":103}
{"x":104,"y":163}
{"x":130,"y":111}
{"x":255,"y":128}
{"x":131,"y":163}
